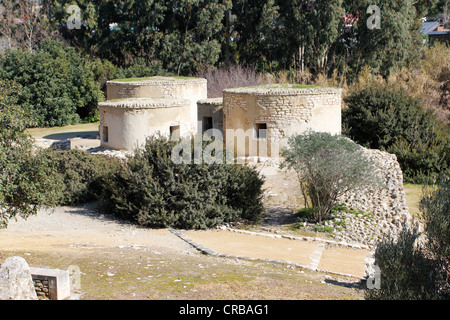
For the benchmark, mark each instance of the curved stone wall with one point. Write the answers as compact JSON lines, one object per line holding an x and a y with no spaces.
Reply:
{"x":284,"y":110}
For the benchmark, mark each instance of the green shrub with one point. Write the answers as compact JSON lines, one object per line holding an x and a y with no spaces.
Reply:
{"x":410,"y":269}
{"x":25,"y":178}
{"x":380,"y":118}
{"x":328,"y":166}
{"x":405,"y":271}
{"x":435,"y":208}
{"x":153,"y":191}
{"x":77,"y":172}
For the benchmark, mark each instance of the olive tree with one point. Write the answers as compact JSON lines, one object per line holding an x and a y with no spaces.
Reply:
{"x":328,"y":166}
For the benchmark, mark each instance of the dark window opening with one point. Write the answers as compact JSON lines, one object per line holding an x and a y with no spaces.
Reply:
{"x":207,"y":123}
{"x":105,"y":134}
{"x":260,"y":130}
{"x":174,"y":132}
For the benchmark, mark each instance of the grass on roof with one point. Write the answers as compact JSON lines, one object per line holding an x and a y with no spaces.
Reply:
{"x":152,"y":78}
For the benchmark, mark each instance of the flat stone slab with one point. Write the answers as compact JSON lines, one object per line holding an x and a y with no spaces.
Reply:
{"x":313,"y":255}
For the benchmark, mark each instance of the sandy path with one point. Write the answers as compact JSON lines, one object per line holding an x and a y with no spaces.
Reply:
{"x":75,"y":228}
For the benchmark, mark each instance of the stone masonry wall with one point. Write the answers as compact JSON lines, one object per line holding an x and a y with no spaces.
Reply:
{"x":383,"y":211}
{"x":284,"y":109}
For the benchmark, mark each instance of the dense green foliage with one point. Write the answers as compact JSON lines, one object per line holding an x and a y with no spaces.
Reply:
{"x":77,"y":173}
{"x":153,"y":191}
{"x":328,"y":166}
{"x":435,"y":208}
{"x":57,"y":83}
{"x":410,"y":269}
{"x":25,"y":178}
{"x":192,"y":36}
{"x":381,"y":118}
{"x":183,"y":35}
{"x":405,"y":272}
{"x":396,"y":43}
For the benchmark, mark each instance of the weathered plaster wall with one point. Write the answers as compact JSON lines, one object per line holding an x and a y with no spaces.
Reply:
{"x":192,"y":89}
{"x":212,"y":108}
{"x":131,"y":121}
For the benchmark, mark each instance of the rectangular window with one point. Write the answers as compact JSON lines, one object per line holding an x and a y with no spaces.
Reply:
{"x":105,"y":134}
{"x":207,"y":123}
{"x":260,"y":130}
{"x":174,"y":132}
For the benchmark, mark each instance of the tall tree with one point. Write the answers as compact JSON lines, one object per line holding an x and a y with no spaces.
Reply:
{"x":25,"y":179}
{"x":8,"y":26}
{"x":23,"y":22}
{"x":257,"y":32}
{"x":182,"y":34}
{"x":313,"y":27}
{"x":393,"y":43}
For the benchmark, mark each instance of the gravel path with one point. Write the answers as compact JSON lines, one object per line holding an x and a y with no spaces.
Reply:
{"x":69,"y":228}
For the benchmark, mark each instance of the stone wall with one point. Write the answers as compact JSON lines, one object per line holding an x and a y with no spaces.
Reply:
{"x":212,"y":108}
{"x":382,"y":211}
{"x":42,"y":289}
{"x":284,"y":110}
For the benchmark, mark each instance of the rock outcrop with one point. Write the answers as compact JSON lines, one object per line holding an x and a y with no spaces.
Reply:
{"x":16,"y":282}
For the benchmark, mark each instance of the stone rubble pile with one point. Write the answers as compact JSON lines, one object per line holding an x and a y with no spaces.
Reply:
{"x":376,"y":213}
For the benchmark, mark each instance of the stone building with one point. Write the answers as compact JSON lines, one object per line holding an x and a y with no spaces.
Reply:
{"x":252,"y":121}
{"x":138,"y":108}
{"x":265,"y":116}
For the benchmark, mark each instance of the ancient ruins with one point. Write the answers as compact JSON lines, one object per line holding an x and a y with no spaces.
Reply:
{"x":252,"y":121}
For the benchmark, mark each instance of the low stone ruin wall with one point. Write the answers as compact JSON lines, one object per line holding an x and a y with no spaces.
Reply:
{"x":381,"y":212}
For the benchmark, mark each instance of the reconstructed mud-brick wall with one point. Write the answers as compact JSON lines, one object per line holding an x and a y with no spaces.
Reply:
{"x":210,"y":108}
{"x":283,"y":110}
{"x":130,"y":121}
{"x":138,"y":108}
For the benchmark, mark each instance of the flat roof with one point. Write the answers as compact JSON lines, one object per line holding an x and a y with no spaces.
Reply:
{"x":157,"y":80}
{"x":144,"y":103}
{"x":280,"y":89}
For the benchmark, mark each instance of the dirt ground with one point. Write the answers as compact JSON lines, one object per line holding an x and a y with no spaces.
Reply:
{"x":121,"y":261}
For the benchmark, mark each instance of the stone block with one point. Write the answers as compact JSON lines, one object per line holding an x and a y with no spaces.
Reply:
{"x":58,"y":282}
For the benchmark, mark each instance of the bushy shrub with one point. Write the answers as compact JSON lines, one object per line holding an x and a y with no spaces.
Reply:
{"x":328,"y":166}
{"x":25,"y":179}
{"x":413,"y":269}
{"x":155,"y":192}
{"x":390,"y":120}
{"x":435,"y":208}
{"x":77,"y":173}
{"x":405,"y":272}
